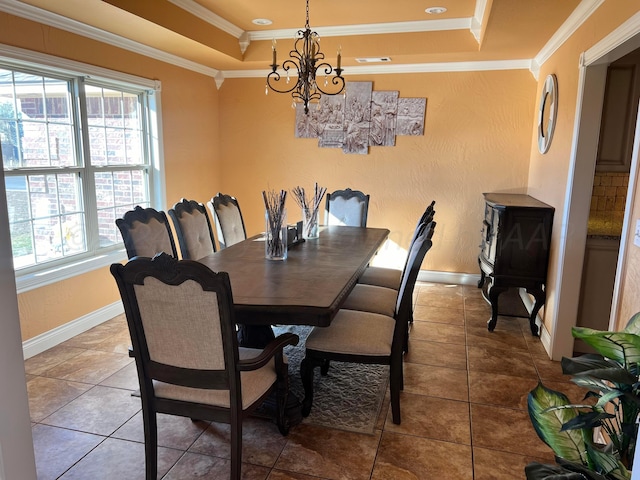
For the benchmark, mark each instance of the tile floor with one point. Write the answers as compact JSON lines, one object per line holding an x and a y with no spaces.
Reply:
{"x":463,"y":410}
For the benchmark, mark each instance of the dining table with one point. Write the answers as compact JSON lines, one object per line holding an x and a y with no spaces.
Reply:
{"x":307,"y":288}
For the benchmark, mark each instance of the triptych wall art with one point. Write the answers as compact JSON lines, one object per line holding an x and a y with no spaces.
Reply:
{"x":361,"y":118}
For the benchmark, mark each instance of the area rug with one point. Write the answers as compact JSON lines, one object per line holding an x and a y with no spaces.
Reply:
{"x":348,"y":398}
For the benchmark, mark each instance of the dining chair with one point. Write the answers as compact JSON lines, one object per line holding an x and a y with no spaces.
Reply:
{"x":228,"y":218}
{"x":145,"y":232}
{"x":364,"y":337}
{"x":180,"y":316}
{"x":193,"y":229}
{"x":382,"y":300}
{"x":390,"y":277}
{"x":346,"y":207}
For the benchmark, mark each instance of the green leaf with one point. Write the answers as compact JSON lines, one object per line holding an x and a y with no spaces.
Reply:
{"x":584,"y":363}
{"x":540,"y":471}
{"x":604,"y":463}
{"x":633,"y":325}
{"x":548,"y":421}
{"x":623,"y":347}
{"x":588,"y":420}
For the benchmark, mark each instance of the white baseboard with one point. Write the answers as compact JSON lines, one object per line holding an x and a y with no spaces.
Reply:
{"x":49,"y":339}
{"x":451,"y":278}
{"x":528,"y":302}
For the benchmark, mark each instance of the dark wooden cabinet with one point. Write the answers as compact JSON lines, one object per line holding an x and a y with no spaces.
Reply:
{"x":514,"y":251}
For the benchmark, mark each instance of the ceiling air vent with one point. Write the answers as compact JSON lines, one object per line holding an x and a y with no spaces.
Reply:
{"x":373,"y":59}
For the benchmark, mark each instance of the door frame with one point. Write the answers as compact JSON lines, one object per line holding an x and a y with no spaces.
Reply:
{"x":591,"y":83}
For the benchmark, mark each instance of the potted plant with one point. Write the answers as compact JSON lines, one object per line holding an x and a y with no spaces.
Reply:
{"x":597,"y":438}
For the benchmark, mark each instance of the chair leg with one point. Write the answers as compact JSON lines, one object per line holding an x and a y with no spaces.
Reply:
{"x":236,"y":448}
{"x":306,"y":373}
{"x":150,"y":444}
{"x":395,"y":385}
{"x":282,"y":394}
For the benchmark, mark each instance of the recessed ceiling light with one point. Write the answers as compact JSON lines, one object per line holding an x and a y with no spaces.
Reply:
{"x":373,"y":59}
{"x":435,"y":10}
{"x":261,"y":21}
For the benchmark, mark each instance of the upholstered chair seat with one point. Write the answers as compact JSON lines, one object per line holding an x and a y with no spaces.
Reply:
{"x":382,"y":277}
{"x":371,"y":298}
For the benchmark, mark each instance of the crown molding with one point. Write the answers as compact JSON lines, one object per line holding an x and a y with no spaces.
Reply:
{"x":582,"y":12}
{"x":369,"y":29}
{"x":45,"y":17}
{"x":478,"y":18}
{"x":523,"y":64}
{"x":620,"y":35}
{"x":208,"y":16}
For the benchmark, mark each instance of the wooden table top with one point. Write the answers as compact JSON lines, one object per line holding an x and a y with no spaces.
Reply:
{"x":308,"y":287}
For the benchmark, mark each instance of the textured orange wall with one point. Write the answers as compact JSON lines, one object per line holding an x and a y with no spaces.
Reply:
{"x":190,"y":125}
{"x":477,"y":139}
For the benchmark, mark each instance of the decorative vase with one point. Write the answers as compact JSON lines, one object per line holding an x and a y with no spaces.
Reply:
{"x":275,"y":236}
{"x":309,"y":223}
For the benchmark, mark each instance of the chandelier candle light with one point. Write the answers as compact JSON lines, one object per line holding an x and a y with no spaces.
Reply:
{"x":307,"y":59}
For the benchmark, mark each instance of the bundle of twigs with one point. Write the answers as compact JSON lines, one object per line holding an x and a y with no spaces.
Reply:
{"x":274,"y":205}
{"x":310,"y":206}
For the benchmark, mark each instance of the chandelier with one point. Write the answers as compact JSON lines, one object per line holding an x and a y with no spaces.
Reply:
{"x":307,"y":59}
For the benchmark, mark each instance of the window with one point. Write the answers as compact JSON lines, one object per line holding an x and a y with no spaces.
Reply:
{"x":77,"y":153}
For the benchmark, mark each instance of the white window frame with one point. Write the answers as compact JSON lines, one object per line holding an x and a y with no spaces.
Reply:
{"x":35,"y":60}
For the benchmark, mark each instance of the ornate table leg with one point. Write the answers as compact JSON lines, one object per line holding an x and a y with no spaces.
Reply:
{"x":494,"y":292}
{"x":482,"y":275}
{"x":540,"y":296}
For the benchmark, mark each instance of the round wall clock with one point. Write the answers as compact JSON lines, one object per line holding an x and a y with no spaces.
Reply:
{"x":547,"y":113}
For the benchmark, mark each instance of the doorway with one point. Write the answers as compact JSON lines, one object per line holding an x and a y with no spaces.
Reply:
{"x":591,"y":89}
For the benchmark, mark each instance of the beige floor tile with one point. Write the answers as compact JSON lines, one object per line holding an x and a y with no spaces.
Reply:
{"x":500,"y":390}
{"x":329,"y":453}
{"x":501,"y":361}
{"x":118,"y":343}
{"x":431,"y":417}
{"x":428,"y":313}
{"x":438,"y":332}
{"x":193,"y":465}
{"x":98,"y":334}
{"x":549,"y":370}
{"x":38,"y":364}
{"x":262,"y":443}
{"x":101,"y":410}
{"x":431,"y":299}
{"x":173,"y":431}
{"x":510,"y":340}
{"x":495,"y":465}
{"x":57,"y":449}
{"x":403,"y":457}
{"x":281,"y":475}
{"x":450,"y":383}
{"x":46,"y":395}
{"x":115,"y":458}
{"x":507,"y":430}
{"x":436,"y":354}
{"x":126,"y":377}
{"x":90,"y":366}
